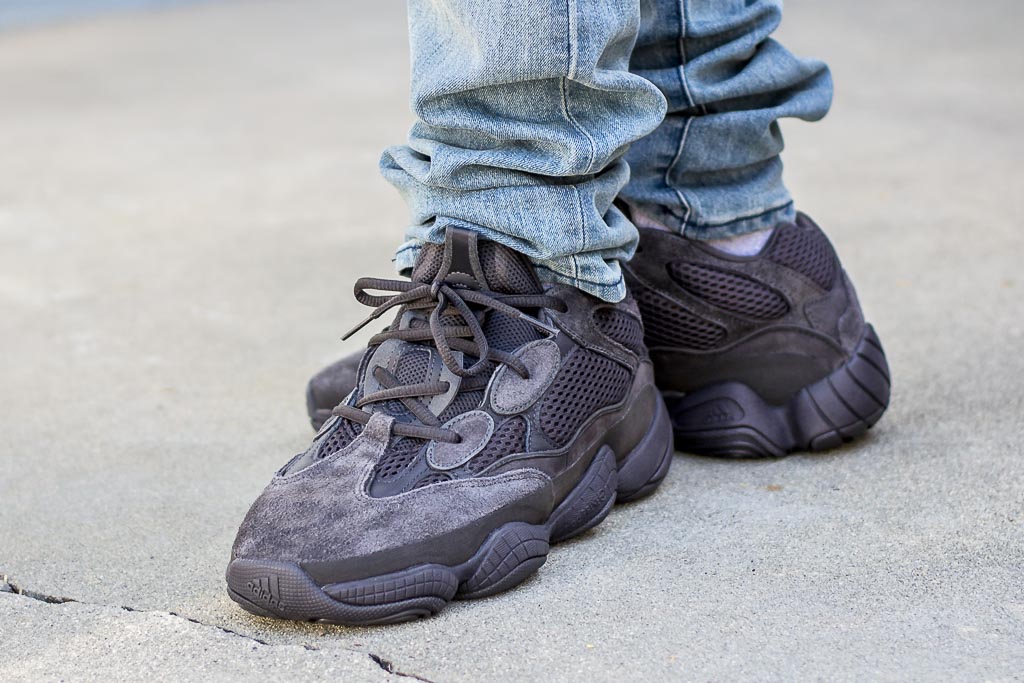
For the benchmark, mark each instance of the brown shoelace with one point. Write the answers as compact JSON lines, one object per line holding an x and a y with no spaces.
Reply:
{"x":442,"y":298}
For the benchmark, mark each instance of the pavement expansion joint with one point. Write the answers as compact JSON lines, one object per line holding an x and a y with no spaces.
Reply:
{"x":7,"y":585}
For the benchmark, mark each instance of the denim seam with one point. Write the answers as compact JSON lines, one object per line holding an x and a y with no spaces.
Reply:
{"x":681,"y":48}
{"x":683,"y":60}
{"x":681,"y":72}
{"x":672,"y":166}
{"x":572,"y":64}
{"x":579,"y":129}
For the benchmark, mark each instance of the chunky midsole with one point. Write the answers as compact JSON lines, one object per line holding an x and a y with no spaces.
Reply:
{"x":731,"y":418}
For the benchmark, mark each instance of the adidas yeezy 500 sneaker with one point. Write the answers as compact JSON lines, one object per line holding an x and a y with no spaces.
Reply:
{"x":492,"y":418}
{"x":759,"y":355}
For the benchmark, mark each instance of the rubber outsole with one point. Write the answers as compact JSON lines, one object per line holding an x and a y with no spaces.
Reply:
{"x":730,"y":419}
{"x":509,"y":555}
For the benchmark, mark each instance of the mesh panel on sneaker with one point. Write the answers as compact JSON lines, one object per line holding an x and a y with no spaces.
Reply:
{"x":586,"y":383}
{"x":342,"y":436}
{"x":411,"y":368}
{"x":397,"y":456}
{"x":805,"y":251}
{"x":509,"y":438}
{"x":428,"y":262}
{"x":462,"y":403}
{"x":621,"y":327}
{"x":727,"y":290}
{"x":507,"y":271}
{"x":507,"y":334}
{"x":666,"y":323}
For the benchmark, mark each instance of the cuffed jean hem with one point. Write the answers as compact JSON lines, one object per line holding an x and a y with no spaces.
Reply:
{"x":704,"y":230}
{"x":743,"y":225}
{"x":405,"y":259}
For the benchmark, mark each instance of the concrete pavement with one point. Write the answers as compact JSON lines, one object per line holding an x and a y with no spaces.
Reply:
{"x":185,"y":198}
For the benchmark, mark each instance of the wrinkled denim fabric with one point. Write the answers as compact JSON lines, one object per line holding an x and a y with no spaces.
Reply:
{"x":534,"y":115}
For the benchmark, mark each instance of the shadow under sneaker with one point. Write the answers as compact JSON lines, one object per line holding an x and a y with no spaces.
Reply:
{"x":761,"y":355}
{"x":493,"y":418}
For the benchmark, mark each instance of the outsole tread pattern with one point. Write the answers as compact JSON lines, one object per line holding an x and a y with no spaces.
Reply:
{"x":430,"y":581}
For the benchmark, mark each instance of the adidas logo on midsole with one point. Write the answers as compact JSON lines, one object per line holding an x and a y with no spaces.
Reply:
{"x":267,"y":590}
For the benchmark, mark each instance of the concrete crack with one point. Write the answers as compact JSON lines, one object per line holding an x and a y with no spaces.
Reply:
{"x":390,"y":668}
{"x":9,"y":586}
{"x":220,"y":628}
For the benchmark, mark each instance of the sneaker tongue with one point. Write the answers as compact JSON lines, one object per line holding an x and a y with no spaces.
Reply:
{"x":491,"y":265}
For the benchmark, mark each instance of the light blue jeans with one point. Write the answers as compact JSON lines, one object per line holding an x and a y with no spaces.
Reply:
{"x":534,"y":115}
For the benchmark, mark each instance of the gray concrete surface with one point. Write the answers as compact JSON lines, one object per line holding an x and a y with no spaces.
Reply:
{"x":185,"y":198}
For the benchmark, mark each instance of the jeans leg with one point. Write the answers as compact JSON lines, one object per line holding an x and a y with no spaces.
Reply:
{"x":525,"y":109}
{"x":712,"y":169}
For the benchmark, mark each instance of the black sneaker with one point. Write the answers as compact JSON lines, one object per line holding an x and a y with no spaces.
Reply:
{"x":330,"y":386}
{"x":760,"y":355}
{"x":492,"y":418}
